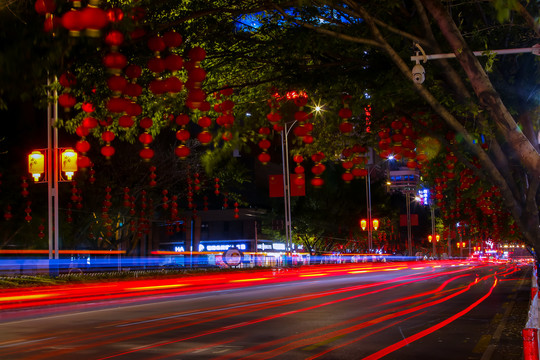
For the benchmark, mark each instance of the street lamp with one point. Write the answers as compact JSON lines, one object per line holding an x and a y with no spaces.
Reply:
{"x":59,"y":161}
{"x":369,"y":226}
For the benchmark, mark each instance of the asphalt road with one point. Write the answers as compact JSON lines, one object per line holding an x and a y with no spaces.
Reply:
{"x":363,"y":311}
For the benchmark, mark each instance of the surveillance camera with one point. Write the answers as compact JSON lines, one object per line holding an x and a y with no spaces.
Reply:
{"x":418,"y":74}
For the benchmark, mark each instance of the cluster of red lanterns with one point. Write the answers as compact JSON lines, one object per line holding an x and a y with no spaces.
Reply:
{"x":264,"y":145}
{"x":317,"y":169}
{"x":398,"y":140}
{"x":345,"y":113}
{"x":225,"y":108}
{"x":354,"y":162}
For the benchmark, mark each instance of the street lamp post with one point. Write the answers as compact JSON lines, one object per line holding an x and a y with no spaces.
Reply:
{"x":286,"y":185}
{"x":58,"y":160}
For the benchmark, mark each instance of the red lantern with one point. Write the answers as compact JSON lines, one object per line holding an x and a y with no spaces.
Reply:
{"x":172,"y":39}
{"x":317,"y":182}
{"x":45,"y":6}
{"x":204,"y":137}
{"x":197,"y":54}
{"x":174,"y":62}
{"x":182,"y":119}
{"x":89,"y":122}
{"x":145,"y":138}
{"x":204,"y":121}
{"x":107,"y":136}
{"x":94,"y":19}
{"x":264,"y":144}
{"x":117,"y":105}
{"x":345,"y":127}
{"x":114,"y":38}
{"x":133,"y":90}
{"x":156,"y":44}
{"x":82,"y":146}
{"x":72,"y":21}
{"x":107,"y":151}
{"x":156,"y":65}
{"x":116,"y":83}
{"x":182,"y":151}
{"x":146,"y":123}
{"x":133,"y":71}
{"x":67,"y":80}
{"x":82,"y":131}
{"x":345,"y":113}
{"x":67,"y":100}
{"x":183,"y":135}
{"x":146,"y":153}
{"x":88,"y":107}
{"x":115,"y":15}
{"x":197,"y":75}
{"x":264,"y":158}
{"x":347,"y":177}
{"x":125,"y":121}
{"x":114,"y":61}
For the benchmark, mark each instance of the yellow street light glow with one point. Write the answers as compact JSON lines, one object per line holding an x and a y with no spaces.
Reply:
{"x":36,"y":164}
{"x":69,"y":162}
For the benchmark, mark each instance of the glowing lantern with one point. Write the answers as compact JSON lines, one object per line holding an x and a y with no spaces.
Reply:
{"x":437,"y":238}
{"x":375,"y":224}
{"x":69,"y":162}
{"x":430,"y":238}
{"x":36,"y":164}
{"x":363,"y":224}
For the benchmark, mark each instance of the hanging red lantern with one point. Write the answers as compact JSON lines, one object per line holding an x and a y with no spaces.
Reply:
{"x":204,"y":137}
{"x":114,"y":38}
{"x":347,"y":177}
{"x":204,"y":121}
{"x":317,"y":182}
{"x":183,"y":135}
{"x":197,"y":74}
{"x":264,"y":158}
{"x":133,"y":71}
{"x":83,"y":162}
{"x":146,"y":123}
{"x":115,"y":14}
{"x":71,"y":20}
{"x":145,"y":138}
{"x":156,"y":44}
{"x":182,"y":119}
{"x":173,"y":62}
{"x":67,"y":80}
{"x":265,"y":144}
{"x":82,"y":146}
{"x":45,"y":6}
{"x":94,"y":19}
{"x":107,"y":151}
{"x":67,"y":100}
{"x":114,"y":61}
{"x":146,"y":154}
{"x":107,"y":136}
{"x":182,"y":151}
{"x":197,"y":54}
{"x":126,"y":121}
{"x":116,"y":83}
{"x":172,"y":39}
{"x":156,"y":65}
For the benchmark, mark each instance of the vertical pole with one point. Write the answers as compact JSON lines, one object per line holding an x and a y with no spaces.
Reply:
{"x":370,"y":221}
{"x":49,"y":173}
{"x":433,"y":240}
{"x":56,"y":227}
{"x":449,"y":243}
{"x":284,"y":162}
{"x":409,"y":234}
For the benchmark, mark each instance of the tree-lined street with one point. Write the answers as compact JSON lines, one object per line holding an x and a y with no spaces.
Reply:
{"x":363,"y":311}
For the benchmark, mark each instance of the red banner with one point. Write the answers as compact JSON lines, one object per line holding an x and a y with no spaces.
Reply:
{"x":275,"y":184}
{"x":403,"y":220}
